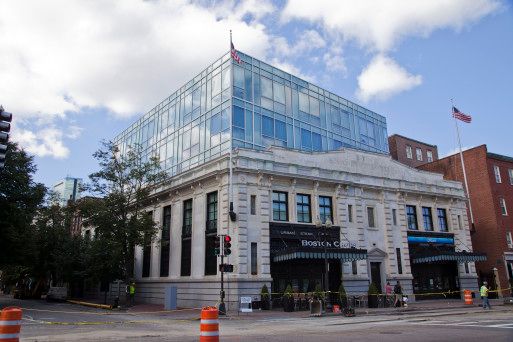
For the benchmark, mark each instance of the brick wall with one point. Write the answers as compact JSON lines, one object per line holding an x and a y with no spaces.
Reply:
{"x":490,"y":226}
{"x":397,"y":146}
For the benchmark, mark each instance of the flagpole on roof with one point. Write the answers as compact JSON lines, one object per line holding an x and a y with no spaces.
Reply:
{"x":462,"y":162}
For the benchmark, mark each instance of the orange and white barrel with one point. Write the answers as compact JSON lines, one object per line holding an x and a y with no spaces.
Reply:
{"x":209,"y":325}
{"x":467,"y":294}
{"x":10,"y":324}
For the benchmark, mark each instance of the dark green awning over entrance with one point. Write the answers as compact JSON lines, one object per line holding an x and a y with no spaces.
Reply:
{"x":344,"y":254}
{"x":460,"y":257}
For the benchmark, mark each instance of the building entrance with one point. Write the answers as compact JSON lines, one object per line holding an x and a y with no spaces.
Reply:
{"x":431,"y":280}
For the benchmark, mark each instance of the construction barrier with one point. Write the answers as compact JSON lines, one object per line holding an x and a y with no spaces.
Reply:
{"x":10,"y":324}
{"x":209,"y":325}
{"x":468,"y":297}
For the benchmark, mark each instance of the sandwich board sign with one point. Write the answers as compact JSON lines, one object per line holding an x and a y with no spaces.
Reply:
{"x":245,"y":304}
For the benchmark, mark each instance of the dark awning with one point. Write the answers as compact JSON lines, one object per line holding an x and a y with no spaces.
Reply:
{"x":437,"y":256}
{"x":344,"y":254}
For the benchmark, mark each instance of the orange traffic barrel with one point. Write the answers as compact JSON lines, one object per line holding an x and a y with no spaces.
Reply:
{"x":468,"y":297}
{"x":10,"y":324}
{"x":209,"y":326}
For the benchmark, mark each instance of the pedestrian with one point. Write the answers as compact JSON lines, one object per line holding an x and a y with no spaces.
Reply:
{"x":398,"y":291}
{"x":132,"y":293}
{"x":484,"y":295}
{"x":388,"y":292}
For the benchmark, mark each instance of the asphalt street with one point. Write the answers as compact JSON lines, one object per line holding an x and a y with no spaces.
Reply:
{"x":67,"y":322}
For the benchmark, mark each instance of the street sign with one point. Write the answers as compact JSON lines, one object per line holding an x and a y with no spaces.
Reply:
{"x":226,"y":268}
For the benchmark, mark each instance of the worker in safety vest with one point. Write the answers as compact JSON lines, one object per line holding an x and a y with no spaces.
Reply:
{"x":131,"y":291}
{"x":484,"y":295}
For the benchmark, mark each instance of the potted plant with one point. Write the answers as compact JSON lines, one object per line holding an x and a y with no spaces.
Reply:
{"x":342,"y":296}
{"x":316,"y":301}
{"x":373,"y":296}
{"x":264,"y":298}
{"x":288,"y":299}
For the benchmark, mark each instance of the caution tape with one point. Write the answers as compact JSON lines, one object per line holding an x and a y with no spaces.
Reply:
{"x":444,"y":293}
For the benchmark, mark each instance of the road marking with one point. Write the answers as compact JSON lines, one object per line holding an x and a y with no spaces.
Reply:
{"x":507,"y":326}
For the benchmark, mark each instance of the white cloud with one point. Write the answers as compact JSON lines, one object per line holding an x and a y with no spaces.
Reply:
{"x":308,"y":40}
{"x":380,"y":25}
{"x":383,"y":78}
{"x":60,"y":56}
{"x":334,"y":60}
{"x":124,"y":55}
{"x":45,"y":142}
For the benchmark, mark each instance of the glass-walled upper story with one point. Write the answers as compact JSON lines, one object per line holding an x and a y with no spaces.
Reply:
{"x":272,"y":107}
{"x":268,"y":107}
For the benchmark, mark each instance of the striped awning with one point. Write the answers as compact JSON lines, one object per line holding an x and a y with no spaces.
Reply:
{"x":346,"y":254}
{"x":460,"y":257}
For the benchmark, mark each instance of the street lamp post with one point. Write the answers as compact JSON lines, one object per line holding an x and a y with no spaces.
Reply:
{"x":325,"y":226}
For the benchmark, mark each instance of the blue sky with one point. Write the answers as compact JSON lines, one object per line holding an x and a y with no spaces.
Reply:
{"x":74,"y":72}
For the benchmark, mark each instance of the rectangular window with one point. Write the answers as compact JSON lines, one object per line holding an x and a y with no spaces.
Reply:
{"x":354,"y":267}
{"x":185,"y":269}
{"x":466,"y":268}
{"x":504,"y":210}
{"x":497,"y":173}
{"x":304,"y":212}
{"x":146,"y":264}
{"x":411,"y":214}
{"x":509,"y":240}
{"x":460,"y":223}
{"x":394,"y":217}
{"x":409,"y":153}
{"x":429,"y":156}
{"x":165,"y":241}
{"x":350,"y":212}
{"x":210,"y":234}
{"x":419,"y":154}
{"x":399,"y":261}
{"x":325,"y":209}
{"x":253,"y":204}
{"x":280,"y":206}
{"x":254,"y":259}
{"x":370,"y":216}
{"x":510,"y":171}
{"x":267,"y":126}
{"x":442,"y":220}
{"x":427,"y":218}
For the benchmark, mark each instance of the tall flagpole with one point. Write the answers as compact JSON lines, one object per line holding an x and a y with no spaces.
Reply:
{"x":463,"y":165}
{"x":231,"y":135}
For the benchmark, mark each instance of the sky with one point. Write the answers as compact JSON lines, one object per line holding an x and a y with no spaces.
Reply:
{"x":74,"y":73}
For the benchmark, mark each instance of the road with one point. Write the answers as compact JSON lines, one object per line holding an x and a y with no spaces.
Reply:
{"x":66,"y":322}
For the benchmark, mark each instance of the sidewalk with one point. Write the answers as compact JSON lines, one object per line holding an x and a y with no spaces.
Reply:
{"x":430,"y":306}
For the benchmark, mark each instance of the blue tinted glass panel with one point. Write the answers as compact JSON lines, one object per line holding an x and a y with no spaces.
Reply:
{"x":238,"y":117}
{"x":225,"y":119}
{"x":267,"y":126}
{"x":267,"y":87}
{"x":215,"y":124}
{"x":281,"y":131}
{"x":306,"y":139}
{"x":316,"y":142}
{"x":238,"y":76}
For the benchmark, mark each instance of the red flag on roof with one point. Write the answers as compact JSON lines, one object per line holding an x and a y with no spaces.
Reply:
{"x":461,"y":116}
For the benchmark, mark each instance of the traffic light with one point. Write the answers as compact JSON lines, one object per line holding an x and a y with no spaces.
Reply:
{"x":217,"y":245}
{"x":227,"y":245}
{"x":5,"y":127}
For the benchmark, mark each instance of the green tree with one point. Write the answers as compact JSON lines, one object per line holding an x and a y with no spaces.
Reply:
{"x":20,"y":199}
{"x":123,"y":186}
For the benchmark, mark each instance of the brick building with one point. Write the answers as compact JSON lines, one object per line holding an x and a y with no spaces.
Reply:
{"x":411,"y":152}
{"x":490,"y":178}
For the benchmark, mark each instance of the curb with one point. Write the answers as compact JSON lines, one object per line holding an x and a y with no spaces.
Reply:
{"x":92,"y":305}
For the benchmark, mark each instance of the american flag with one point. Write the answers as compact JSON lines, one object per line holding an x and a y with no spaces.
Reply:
{"x":461,"y":116}
{"x":235,"y":56}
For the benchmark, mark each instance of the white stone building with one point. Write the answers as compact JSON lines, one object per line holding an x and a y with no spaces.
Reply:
{"x":390,"y":222}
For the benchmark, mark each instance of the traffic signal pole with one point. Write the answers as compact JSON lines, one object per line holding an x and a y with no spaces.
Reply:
{"x":222,"y":306}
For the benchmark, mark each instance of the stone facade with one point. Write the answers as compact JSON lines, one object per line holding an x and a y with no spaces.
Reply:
{"x":350,"y":177}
